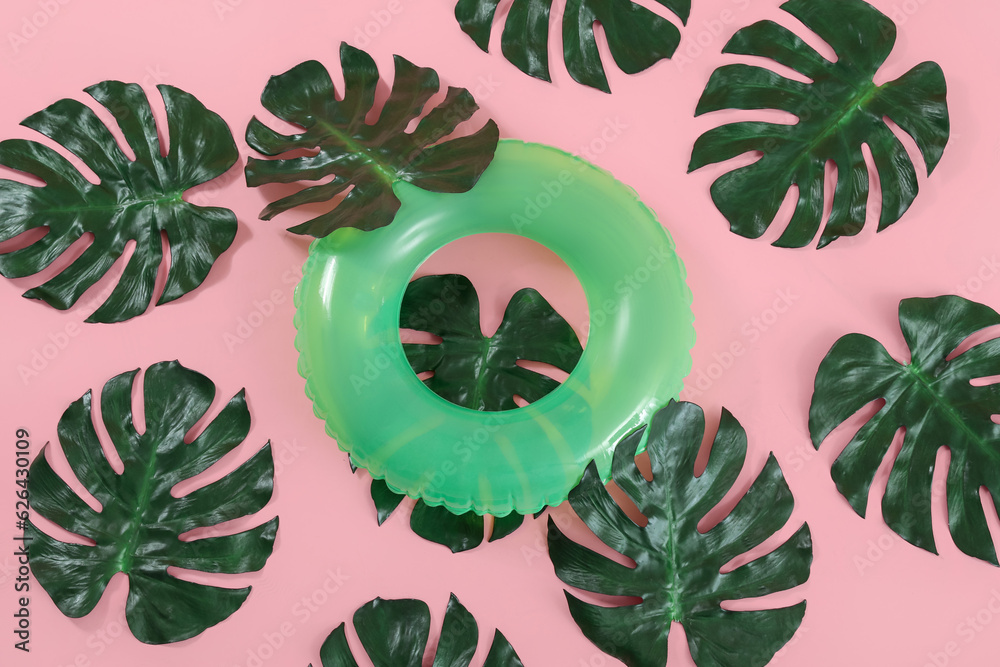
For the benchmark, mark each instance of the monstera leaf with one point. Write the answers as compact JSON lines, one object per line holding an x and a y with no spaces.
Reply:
{"x":395,"y":632}
{"x":678,"y":573}
{"x":365,"y":160}
{"x":458,"y":532}
{"x":933,"y":400}
{"x":137,"y":200}
{"x":472,"y":370}
{"x":637,"y":36}
{"x":140,"y":525}
{"x":838,"y":111}
{"x":479,"y":373}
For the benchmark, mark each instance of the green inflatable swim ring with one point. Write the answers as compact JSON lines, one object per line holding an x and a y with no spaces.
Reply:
{"x":637,"y":353}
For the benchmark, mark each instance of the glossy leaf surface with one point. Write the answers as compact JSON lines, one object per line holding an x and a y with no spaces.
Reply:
{"x":678,"y":573}
{"x":364,"y":160}
{"x":138,"y":200}
{"x":479,"y":372}
{"x":137,"y":530}
{"x":637,"y":36}
{"x":838,"y":111}
{"x":933,"y":399}
{"x":395,"y":633}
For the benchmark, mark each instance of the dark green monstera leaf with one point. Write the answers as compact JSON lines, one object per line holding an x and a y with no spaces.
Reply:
{"x":840,"y":110}
{"x":365,"y":160}
{"x":395,"y":633}
{"x":139,"y":526}
{"x":638,"y":37}
{"x":138,"y":200}
{"x":458,"y":532}
{"x":933,"y":400}
{"x":678,"y":572}
{"x":475,"y":371}
{"x":478,"y":373}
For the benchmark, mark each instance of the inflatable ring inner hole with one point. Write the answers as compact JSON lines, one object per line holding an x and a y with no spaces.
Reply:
{"x":498,"y":266}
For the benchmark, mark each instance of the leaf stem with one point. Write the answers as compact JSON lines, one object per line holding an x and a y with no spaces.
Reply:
{"x":126,"y":555}
{"x":388,"y":176}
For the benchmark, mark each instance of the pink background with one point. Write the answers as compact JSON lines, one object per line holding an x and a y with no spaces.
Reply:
{"x":872,"y":599}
